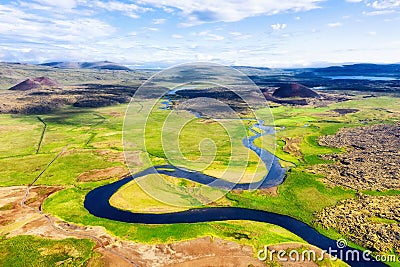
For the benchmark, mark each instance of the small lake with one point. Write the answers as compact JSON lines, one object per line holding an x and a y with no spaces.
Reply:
{"x":368,"y":78}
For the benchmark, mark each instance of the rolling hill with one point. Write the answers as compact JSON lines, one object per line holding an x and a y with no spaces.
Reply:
{"x":102,"y":65}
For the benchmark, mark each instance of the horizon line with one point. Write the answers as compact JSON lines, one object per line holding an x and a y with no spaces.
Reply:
{"x":165,"y":65}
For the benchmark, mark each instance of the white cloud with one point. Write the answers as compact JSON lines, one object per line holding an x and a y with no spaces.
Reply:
{"x":153,"y":29}
{"x":158,"y":21}
{"x":17,"y":25}
{"x":85,"y":7}
{"x":215,"y":37}
{"x":210,"y":36}
{"x":31,"y":5}
{"x":240,"y":35}
{"x":64,"y":4}
{"x":176,"y":36}
{"x":43,"y":32}
{"x":130,"y":10}
{"x":379,"y":12}
{"x":385,"y":4}
{"x":278,"y":26}
{"x":204,"y":57}
{"x":334,"y":24}
{"x":197,"y":12}
{"x":236,"y":33}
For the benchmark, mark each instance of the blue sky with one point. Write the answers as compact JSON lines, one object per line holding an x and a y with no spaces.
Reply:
{"x":271,"y":33}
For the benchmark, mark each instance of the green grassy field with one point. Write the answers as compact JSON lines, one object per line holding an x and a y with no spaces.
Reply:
{"x":91,"y":139}
{"x":161,"y":193}
{"x":213,"y":147}
{"x":83,"y":135}
{"x":24,"y":251}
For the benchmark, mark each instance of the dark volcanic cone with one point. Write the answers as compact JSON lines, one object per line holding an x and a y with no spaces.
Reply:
{"x":45,"y":81}
{"x":294,"y":90}
{"x":35,"y":83}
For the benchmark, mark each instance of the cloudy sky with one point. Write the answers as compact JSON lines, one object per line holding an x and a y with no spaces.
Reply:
{"x":273,"y":33}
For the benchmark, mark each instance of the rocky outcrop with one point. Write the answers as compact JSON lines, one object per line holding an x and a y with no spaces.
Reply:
{"x":371,"y":160}
{"x":371,"y":221}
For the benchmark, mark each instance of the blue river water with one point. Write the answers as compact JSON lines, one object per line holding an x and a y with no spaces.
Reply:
{"x":368,"y":78}
{"x":97,"y":201}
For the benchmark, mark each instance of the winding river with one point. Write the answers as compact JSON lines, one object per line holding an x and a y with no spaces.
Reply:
{"x":97,"y":202}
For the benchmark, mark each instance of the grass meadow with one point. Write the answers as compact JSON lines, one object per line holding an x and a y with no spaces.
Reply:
{"x":29,"y":251}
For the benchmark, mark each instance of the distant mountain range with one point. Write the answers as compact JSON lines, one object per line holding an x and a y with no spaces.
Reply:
{"x":102,"y":65}
{"x":362,"y":69}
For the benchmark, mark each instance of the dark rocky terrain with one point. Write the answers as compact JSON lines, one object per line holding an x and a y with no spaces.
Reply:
{"x":44,"y":99}
{"x":95,"y":84}
{"x":371,"y":160}
{"x":55,"y":88}
{"x":290,"y":90}
{"x":221,"y":94}
{"x":300,"y":95}
{"x":372,"y":221}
